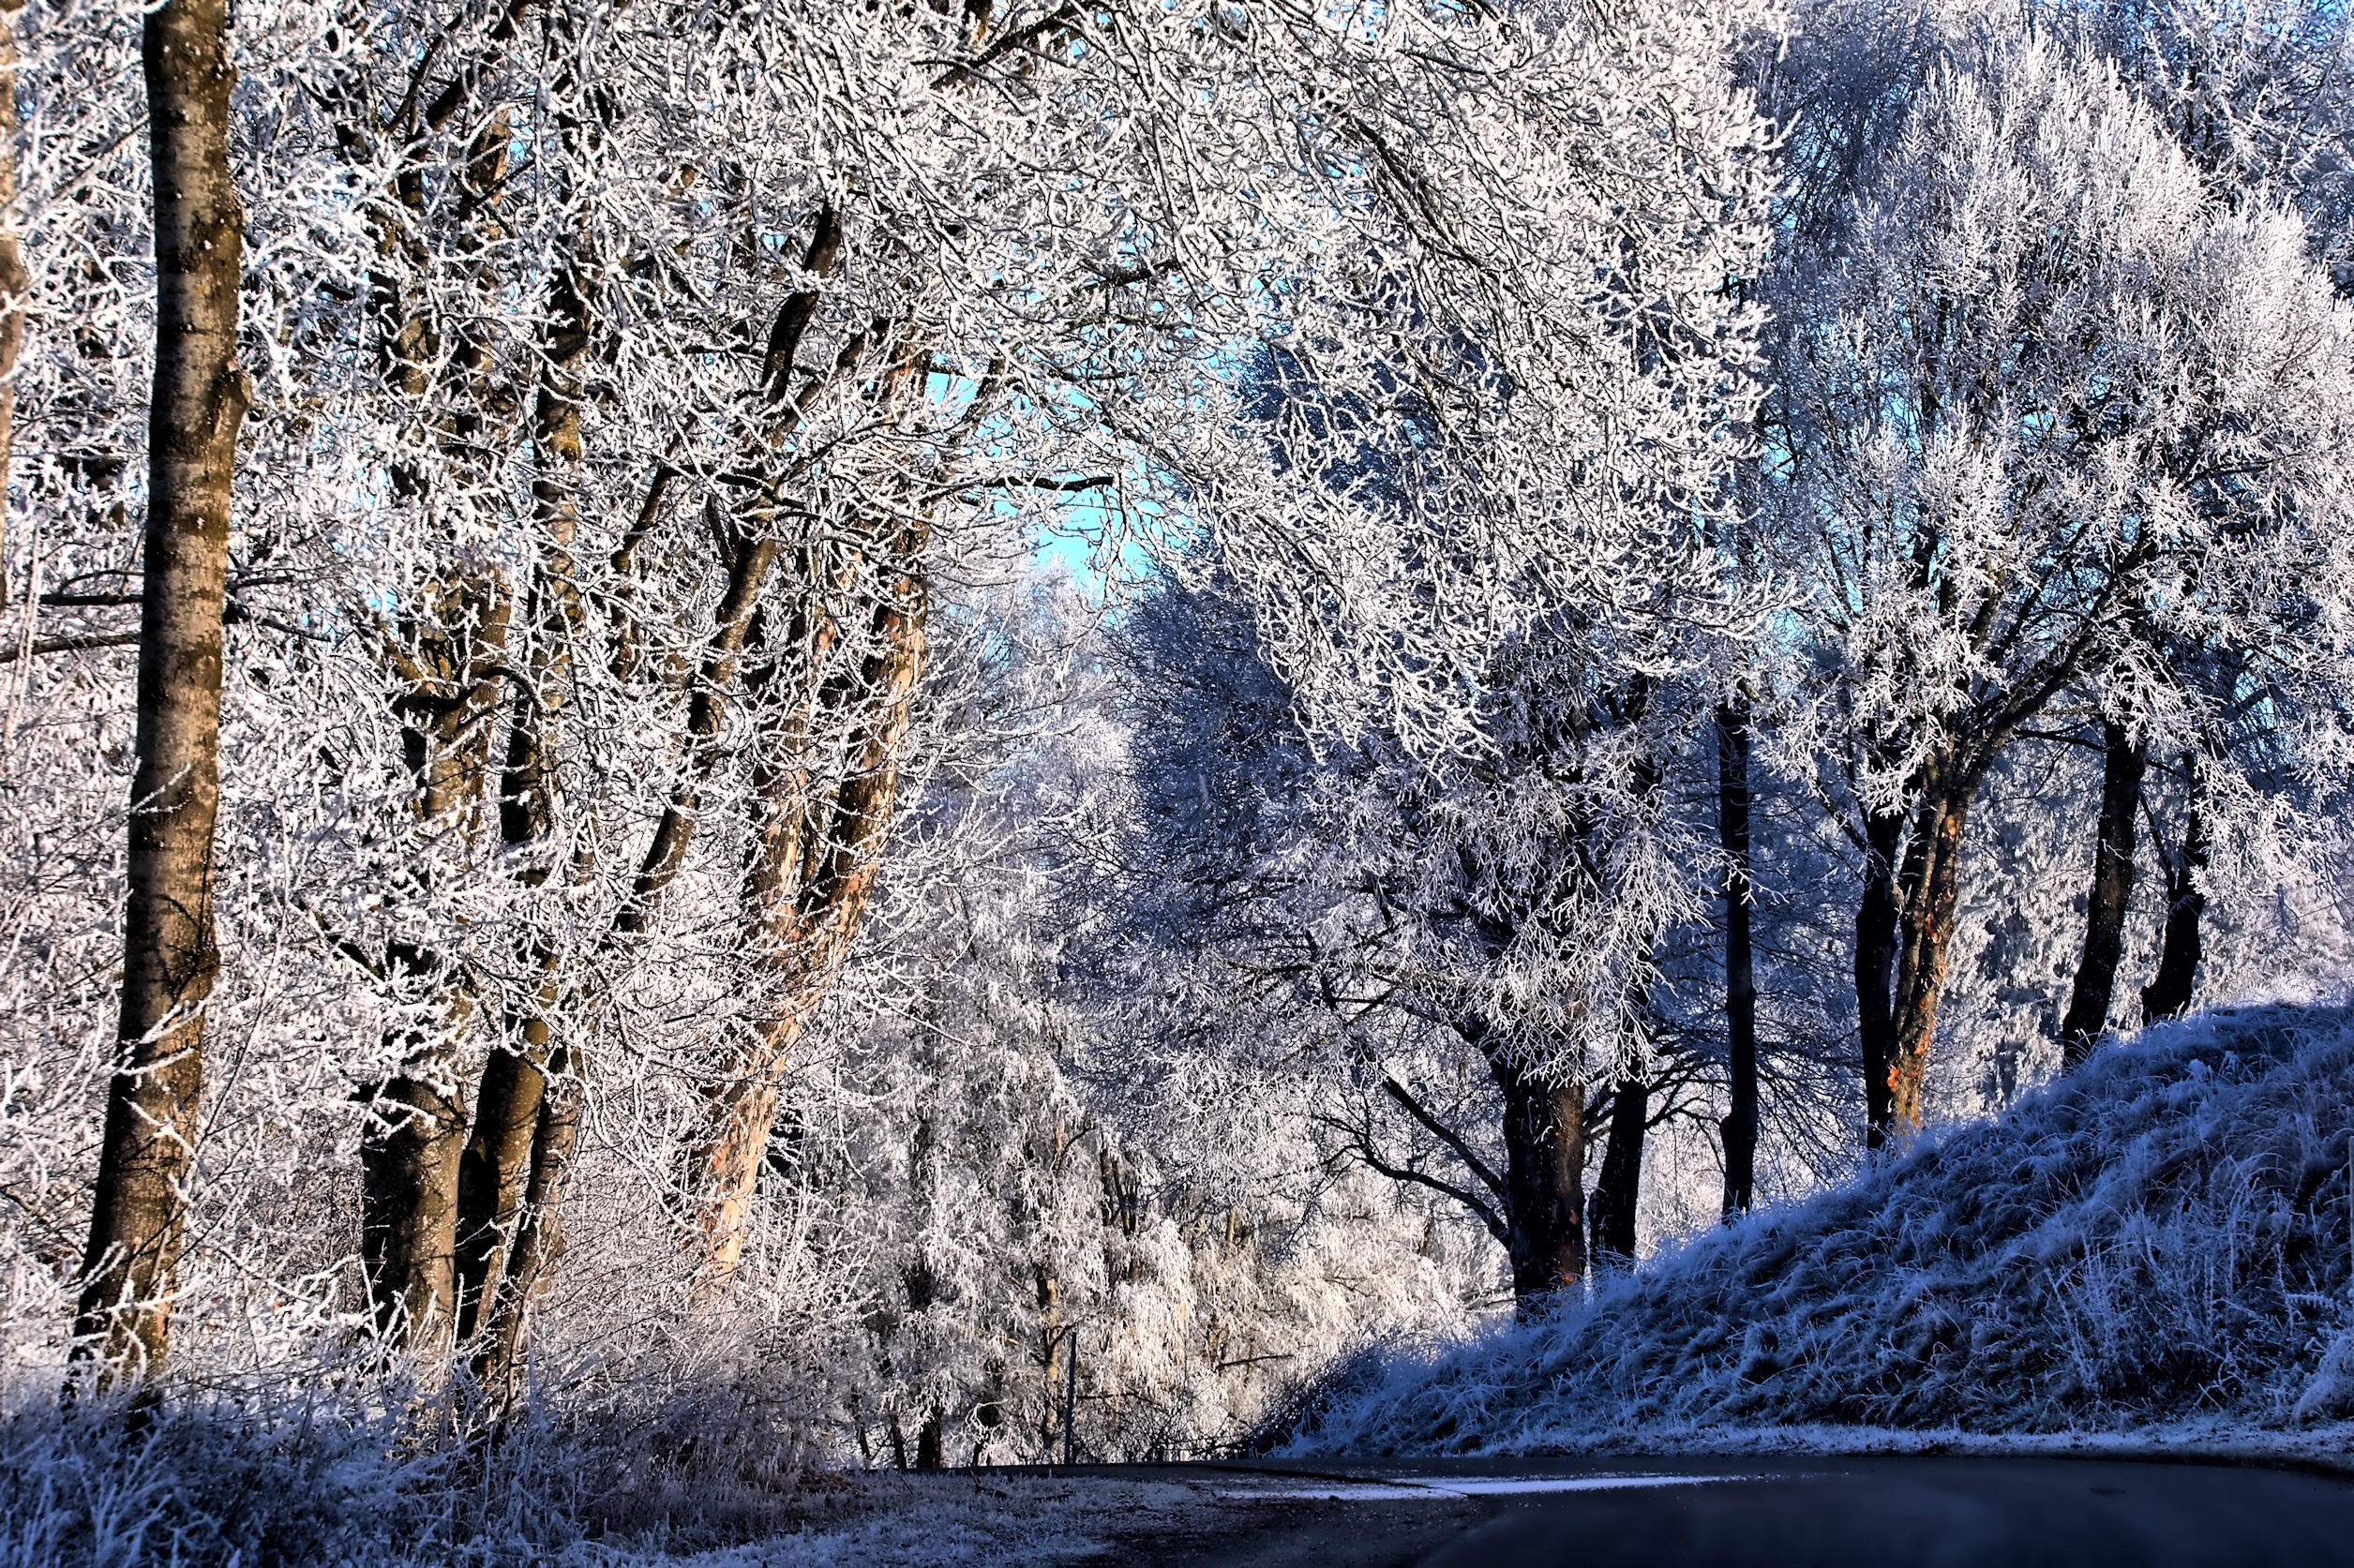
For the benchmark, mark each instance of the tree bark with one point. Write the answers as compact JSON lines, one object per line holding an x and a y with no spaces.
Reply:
{"x":1932,"y":890}
{"x":1740,"y":1127}
{"x":814,"y":872}
{"x":500,"y":1340}
{"x":510,"y":1173}
{"x":170,"y":958}
{"x":1876,"y":918}
{"x":1610,"y":1214}
{"x":1544,"y":1178}
{"x":2170,"y":991}
{"x":2124,"y":763}
{"x":494,"y":1167}
{"x":446,"y":662}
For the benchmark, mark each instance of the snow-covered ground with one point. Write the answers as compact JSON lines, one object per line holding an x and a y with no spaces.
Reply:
{"x":2154,"y":1253}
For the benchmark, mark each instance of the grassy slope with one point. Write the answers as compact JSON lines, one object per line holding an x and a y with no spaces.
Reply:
{"x":2159,"y":1243}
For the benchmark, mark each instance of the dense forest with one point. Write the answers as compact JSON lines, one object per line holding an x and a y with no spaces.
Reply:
{"x":891,"y":735}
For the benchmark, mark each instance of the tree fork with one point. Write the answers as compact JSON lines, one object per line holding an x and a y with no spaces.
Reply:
{"x":811,"y":934}
{"x":170,"y":957}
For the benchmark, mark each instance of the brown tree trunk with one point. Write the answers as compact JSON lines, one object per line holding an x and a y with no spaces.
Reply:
{"x":448,"y":662}
{"x":494,"y":1167}
{"x":1876,"y":917}
{"x":819,"y":850}
{"x":1932,"y":889}
{"x":170,"y":958}
{"x":1740,"y":1127}
{"x":1544,"y":1179}
{"x":1611,"y":1215}
{"x":814,"y":873}
{"x":2170,"y":991}
{"x":447,"y":665}
{"x":536,"y":1242}
{"x":500,"y":1339}
{"x":2123,"y":765}
{"x":510,"y":1172}
{"x":408,"y":1207}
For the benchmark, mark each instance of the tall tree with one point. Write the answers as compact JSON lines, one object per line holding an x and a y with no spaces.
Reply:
{"x":2015,"y":416}
{"x":170,"y":960}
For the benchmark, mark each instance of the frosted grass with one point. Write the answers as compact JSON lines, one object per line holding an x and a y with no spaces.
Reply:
{"x":2158,"y":1246}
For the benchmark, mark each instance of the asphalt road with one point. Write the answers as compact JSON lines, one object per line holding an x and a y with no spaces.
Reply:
{"x":1756,"y":1512}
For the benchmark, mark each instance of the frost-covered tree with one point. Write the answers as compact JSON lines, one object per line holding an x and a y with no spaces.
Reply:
{"x":2042,"y":391}
{"x":641,"y":400}
{"x":1495,"y":609}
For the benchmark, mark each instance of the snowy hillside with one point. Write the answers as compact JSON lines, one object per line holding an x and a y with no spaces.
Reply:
{"x":2160,"y":1241}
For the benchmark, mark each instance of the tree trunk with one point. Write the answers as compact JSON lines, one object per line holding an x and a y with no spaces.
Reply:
{"x":1876,"y":933}
{"x":931,"y":1441}
{"x":819,"y":850}
{"x":447,"y":662}
{"x":1544,"y":1144}
{"x":494,"y":1167}
{"x":2087,"y":1018}
{"x":2170,"y":991}
{"x":15,"y":279}
{"x":1741,"y":994}
{"x":1611,"y":1212}
{"x":501,"y":1340}
{"x":407,"y":1197}
{"x":1932,"y":887}
{"x":511,"y":1173}
{"x":814,"y":871}
{"x":170,"y":958}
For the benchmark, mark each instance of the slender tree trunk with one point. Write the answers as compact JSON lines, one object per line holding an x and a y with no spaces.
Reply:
{"x":1610,"y":1214}
{"x":1544,"y":1145}
{"x":15,"y":279}
{"x":814,"y":872}
{"x":170,"y":958}
{"x":1876,"y":941}
{"x":510,"y":1173}
{"x":819,"y":850}
{"x":408,"y":1198}
{"x":449,"y":663}
{"x":536,"y":1241}
{"x":1932,"y":894}
{"x":2170,"y":991}
{"x":447,"y":667}
{"x":1741,"y":994}
{"x":2086,"y":1021}
{"x":500,"y":1339}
